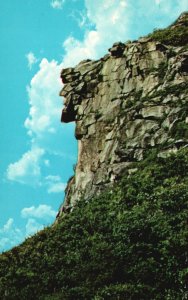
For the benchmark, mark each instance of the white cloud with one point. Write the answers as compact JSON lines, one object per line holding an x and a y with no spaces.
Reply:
{"x":41,"y":212}
{"x":7,"y":225}
{"x":81,"y":18}
{"x":47,"y":162}
{"x":31,"y":59}
{"x":77,"y":51}
{"x":57,"y":4}
{"x":175,"y":7}
{"x":108,"y":29}
{"x":45,"y":105}
{"x":47,"y":135}
{"x":123,"y":3}
{"x":53,"y":178}
{"x":10,"y":235}
{"x":3,"y":243}
{"x":55,"y":184}
{"x":36,"y":218}
{"x":27,"y":169}
{"x":33,"y":227}
{"x":124,"y":20}
{"x":43,"y":125}
{"x":57,"y":188}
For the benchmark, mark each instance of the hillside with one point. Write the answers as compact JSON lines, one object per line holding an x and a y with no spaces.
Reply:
{"x":122,"y":231}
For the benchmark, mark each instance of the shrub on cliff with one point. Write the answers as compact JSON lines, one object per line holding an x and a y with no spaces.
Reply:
{"x":129,"y":243}
{"x":175,"y":35}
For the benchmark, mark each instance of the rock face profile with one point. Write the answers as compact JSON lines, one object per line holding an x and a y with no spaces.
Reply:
{"x":131,"y":100}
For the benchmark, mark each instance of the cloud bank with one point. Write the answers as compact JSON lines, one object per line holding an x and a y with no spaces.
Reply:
{"x":44,"y":130}
{"x":27,"y":169}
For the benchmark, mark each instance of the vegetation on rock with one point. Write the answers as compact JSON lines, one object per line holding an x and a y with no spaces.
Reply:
{"x":175,"y":35}
{"x":129,"y":243}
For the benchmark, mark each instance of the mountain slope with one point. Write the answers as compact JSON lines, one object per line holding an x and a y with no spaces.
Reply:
{"x":129,"y":243}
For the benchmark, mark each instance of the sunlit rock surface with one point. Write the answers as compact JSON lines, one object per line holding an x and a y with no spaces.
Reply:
{"x":131,"y":100}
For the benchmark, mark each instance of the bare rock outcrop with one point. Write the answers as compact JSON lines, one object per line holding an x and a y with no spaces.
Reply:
{"x":133,"y":99}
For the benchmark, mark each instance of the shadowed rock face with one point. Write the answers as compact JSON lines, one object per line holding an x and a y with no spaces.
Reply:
{"x":129,"y":101}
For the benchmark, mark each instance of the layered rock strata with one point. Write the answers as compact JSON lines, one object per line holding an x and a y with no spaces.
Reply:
{"x":133,"y":99}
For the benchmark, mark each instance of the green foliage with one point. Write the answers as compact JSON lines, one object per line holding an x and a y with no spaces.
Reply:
{"x":176,"y":35}
{"x":128,"y":243}
{"x":180,"y":130}
{"x":175,"y":90}
{"x":98,"y":114}
{"x":160,"y":70}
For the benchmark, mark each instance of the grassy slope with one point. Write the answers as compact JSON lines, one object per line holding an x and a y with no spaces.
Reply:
{"x":175,"y":36}
{"x":127,"y":244}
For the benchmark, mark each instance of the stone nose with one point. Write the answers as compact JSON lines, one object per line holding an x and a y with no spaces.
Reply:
{"x":69,"y":75}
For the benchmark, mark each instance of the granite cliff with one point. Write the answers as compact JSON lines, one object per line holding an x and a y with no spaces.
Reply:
{"x":131,"y":100}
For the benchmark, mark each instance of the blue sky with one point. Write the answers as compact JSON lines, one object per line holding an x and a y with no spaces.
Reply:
{"x":38,"y":39}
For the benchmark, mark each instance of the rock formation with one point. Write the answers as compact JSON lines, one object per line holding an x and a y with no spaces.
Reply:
{"x":131,"y":100}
